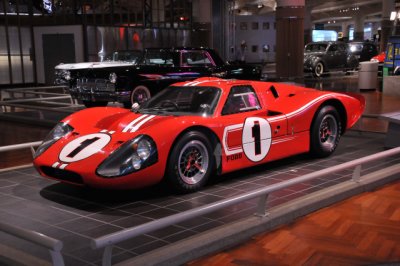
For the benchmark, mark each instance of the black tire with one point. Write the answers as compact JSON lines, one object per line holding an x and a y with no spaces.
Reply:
{"x":89,"y":104}
{"x":318,"y":70}
{"x":188,"y":158}
{"x":325,"y":132}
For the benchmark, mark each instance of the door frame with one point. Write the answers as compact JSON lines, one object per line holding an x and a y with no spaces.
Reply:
{"x":38,"y":32}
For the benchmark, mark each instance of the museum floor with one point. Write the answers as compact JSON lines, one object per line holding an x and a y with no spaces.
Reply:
{"x":76,"y":216}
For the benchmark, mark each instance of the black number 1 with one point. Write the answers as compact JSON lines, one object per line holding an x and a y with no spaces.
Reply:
{"x":256,"y":134}
{"x":82,"y":146}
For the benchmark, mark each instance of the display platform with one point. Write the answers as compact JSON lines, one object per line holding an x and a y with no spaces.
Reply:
{"x":75,"y":216}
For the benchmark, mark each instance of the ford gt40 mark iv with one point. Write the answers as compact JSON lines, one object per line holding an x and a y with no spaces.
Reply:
{"x":192,"y":131}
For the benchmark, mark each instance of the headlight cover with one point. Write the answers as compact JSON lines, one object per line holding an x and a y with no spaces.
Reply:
{"x":64,"y":74}
{"x":112,"y":77}
{"x":59,"y":131}
{"x":132,"y":156}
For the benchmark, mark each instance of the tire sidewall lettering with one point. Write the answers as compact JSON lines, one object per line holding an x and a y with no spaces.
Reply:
{"x":248,"y":141}
{"x":93,"y":148}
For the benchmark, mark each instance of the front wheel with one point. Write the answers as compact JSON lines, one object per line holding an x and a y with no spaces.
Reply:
{"x":325,"y":132}
{"x":318,"y":69}
{"x":190,"y":163}
{"x":89,"y":104}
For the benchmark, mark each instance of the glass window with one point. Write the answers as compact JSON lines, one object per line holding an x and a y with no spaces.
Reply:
{"x":265,"y":25}
{"x":199,"y":101}
{"x":243,"y":25}
{"x":333,"y":48}
{"x":241,"y":99}
{"x":158,"y":57}
{"x":254,"y":48}
{"x":195,"y":58}
{"x":254,"y":25}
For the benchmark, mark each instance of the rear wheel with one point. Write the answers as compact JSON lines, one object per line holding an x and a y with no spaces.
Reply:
{"x":190,"y":163}
{"x":325,"y":132}
{"x":139,"y":95}
{"x":89,"y":104}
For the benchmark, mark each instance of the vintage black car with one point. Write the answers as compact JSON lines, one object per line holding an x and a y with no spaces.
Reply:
{"x":155,"y":70}
{"x":364,"y":51}
{"x":321,"y":57}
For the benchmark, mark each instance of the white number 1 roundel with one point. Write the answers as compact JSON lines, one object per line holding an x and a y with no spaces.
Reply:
{"x":256,"y":138}
{"x":84,"y":147}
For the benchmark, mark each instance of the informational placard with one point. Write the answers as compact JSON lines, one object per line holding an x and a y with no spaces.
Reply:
{"x":392,"y":59}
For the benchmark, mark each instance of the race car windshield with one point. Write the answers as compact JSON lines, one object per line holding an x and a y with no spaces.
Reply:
{"x":199,"y":101}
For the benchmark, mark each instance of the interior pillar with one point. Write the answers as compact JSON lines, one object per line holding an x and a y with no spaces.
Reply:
{"x":289,"y":38}
{"x":359,"y":28}
{"x":387,"y":7}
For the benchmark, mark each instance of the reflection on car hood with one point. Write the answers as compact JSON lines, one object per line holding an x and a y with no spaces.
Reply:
{"x":86,"y":65}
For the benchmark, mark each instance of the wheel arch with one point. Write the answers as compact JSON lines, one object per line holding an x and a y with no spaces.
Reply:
{"x":212,"y":136}
{"x":338,"y":105}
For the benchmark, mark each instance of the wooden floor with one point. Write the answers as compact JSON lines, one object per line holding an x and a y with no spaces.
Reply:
{"x":363,"y":230}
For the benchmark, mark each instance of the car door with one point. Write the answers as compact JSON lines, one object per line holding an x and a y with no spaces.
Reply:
{"x":334,"y":58}
{"x":249,"y":133}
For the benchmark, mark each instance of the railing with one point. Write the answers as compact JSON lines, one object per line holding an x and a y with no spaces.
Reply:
{"x":20,"y":146}
{"x":109,"y":240}
{"x":53,"y":245}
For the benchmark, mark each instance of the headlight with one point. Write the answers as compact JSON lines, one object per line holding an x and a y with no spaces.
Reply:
{"x":64,"y":74}
{"x":132,"y":156}
{"x":112,"y":77}
{"x":59,"y":131}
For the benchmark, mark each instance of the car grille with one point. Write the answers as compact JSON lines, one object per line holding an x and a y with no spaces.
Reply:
{"x":94,"y":85}
{"x":61,"y":174}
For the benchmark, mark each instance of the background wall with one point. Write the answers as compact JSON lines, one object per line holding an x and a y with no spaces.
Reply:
{"x":256,"y":31}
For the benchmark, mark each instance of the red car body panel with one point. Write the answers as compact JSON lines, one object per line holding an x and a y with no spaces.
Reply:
{"x":286,"y":109}
{"x":380,"y":57}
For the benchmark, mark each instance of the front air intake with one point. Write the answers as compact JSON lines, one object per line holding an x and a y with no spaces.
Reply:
{"x":63,"y":175}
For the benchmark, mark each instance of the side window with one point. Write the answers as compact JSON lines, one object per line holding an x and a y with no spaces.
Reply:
{"x":195,"y":58}
{"x":342,"y":48}
{"x":241,"y":99}
{"x":163,"y":58}
{"x":333,"y":48}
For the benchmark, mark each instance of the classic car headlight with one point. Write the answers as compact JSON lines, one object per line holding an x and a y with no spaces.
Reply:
{"x":59,"y":131}
{"x":132,"y":156}
{"x":64,"y":74}
{"x":113,"y":77}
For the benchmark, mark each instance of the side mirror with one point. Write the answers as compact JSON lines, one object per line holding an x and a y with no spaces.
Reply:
{"x":135,"y":107}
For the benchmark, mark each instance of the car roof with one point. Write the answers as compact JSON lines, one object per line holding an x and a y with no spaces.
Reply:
{"x":223,"y":84}
{"x":325,"y":42}
{"x":177,"y":48}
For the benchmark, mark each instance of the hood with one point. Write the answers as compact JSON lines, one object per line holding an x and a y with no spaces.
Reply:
{"x":312,"y":54}
{"x":88,"y":65}
{"x":123,"y":123}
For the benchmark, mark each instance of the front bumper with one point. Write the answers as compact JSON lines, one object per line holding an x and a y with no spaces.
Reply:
{"x":98,"y":90}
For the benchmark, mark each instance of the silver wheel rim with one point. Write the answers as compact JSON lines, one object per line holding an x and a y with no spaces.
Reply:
{"x":328,"y":131}
{"x":140,"y":94}
{"x":319,"y":69}
{"x":193,"y":162}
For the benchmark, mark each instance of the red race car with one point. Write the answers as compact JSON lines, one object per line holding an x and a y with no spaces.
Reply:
{"x":194,"y":130}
